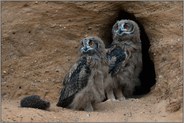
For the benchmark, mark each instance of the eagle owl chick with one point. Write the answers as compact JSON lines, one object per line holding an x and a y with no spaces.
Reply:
{"x":83,"y":85}
{"x":125,"y":58}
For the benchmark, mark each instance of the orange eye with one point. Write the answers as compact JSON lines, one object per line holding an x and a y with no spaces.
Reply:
{"x":91,"y":43}
{"x":116,"y":27}
{"x":126,"y":26}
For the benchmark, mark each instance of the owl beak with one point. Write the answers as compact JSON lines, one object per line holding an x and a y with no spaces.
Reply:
{"x":85,"y":49}
{"x":121,"y":30}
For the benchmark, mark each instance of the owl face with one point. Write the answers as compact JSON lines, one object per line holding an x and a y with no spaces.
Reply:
{"x":89,"y":46}
{"x":123,"y":27}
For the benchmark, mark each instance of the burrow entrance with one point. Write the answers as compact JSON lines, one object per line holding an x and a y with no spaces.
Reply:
{"x":147,"y":76}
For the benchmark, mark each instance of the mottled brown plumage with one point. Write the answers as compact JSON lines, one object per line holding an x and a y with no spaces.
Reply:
{"x":83,"y":85}
{"x":125,"y":59}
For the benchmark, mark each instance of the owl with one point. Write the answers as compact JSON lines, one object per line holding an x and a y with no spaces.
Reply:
{"x":83,"y":85}
{"x":125,"y":59}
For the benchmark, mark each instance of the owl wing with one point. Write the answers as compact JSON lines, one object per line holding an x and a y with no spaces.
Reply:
{"x":68,"y":75}
{"x":65,"y":80}
{"x":77,"y":81}
{"x":116,"y":57}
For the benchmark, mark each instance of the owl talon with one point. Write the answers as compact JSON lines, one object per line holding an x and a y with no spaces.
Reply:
{"x":111,"y":100}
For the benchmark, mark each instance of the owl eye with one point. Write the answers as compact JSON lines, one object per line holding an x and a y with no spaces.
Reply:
{"x":126,"y":26}
{"x":91,"y":43}
{"x":116,"y":27}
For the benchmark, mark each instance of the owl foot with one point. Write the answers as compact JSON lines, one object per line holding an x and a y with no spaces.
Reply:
{"x":110,"y":95}
{"x":111,"y":100}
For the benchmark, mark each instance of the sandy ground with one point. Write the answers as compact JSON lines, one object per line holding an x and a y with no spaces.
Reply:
{"x":40,"y":43}
{"x":131,"y":110}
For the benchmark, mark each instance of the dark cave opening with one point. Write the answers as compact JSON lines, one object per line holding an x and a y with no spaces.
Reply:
{"x":147,"y":76}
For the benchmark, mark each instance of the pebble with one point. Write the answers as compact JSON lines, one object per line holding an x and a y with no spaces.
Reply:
{"x":31,"y":43}
{"x":130,"y":114}
{"x":89,"y":28}
{"x":54,"y":25}
{"x":4,"y":72}
{"x":88,"y":115}
{"x":160,"y":76}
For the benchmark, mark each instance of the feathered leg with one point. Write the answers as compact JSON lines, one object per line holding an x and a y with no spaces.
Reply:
{"x":119,"y":94}
{"x":88,"y":107}
{"x":110,"y":96}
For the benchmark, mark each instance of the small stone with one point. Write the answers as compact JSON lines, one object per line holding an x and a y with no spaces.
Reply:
{"x":36,"y":2}
{"x":46,"y":71}
{"x":25,"y":5}
{"x":160,"y":76}
{"x":89,"y":28}
{"x":88,"y":115}
{"x":130,"y":114}
{"x":54,"y":25}
{"x":4,"y":72}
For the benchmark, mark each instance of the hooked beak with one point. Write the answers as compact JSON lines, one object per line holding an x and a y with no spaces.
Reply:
{"x":121,"y":30}
{"x":85,"y":49}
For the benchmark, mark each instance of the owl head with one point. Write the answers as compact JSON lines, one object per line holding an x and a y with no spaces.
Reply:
{"x":92,"y":45}
{"x":125,"y":30}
